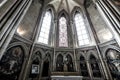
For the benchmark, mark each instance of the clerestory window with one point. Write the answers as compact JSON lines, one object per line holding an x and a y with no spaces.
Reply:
{"x":82,"y":33}
{"x":63,"y":38}
{"x":45,"y":29}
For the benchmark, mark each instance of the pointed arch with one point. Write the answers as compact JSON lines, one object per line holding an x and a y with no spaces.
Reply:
{"x":52,"y":8}
{"x":70,"y":54}
{"x":92,"y":57}
{"x":63,"y":38}
{"x":92,"y":52}
{"x":63,"y":12}
{"x":109,"y":48}
{"x":36,"y":54}
{"x":76,"y":8}
{"x":49,"y":54}
{"x":24,"y":47}
{"x":14,"y":54}
{"x":112,"y":54}
{"x":46,"y":69}
{"x":82,"y":58}
{"x":63,"y":29}
{"x":82,"y":36}
{"x":59,"y":63}
{"x":82,"y":33}
{"x":69,"y":63}
{"x":45,"y":27}
{"x":47,"y":18}
{"x":35,"y":65}
{"x":83,"y":67}
{"x":95,"y":66}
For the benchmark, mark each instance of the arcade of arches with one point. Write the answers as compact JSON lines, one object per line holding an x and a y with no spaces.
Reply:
{"x":44,"y":38}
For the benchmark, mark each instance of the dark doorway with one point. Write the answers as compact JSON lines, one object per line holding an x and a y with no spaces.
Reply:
{"x":45,"y":72}
{"x":95,"y":66}
{"x":59,"y":63}
{"x":83,"y":67}
{"x":34,"y":73}
{"x":69,"y":63}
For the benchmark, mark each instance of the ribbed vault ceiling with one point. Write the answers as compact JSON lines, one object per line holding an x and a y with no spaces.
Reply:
{"x":67,"y":5}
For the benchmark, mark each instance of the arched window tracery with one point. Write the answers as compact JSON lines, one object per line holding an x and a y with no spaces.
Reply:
{"x":45,"y":28}
{"x":82,"y":33}
{"x":63,"y":38}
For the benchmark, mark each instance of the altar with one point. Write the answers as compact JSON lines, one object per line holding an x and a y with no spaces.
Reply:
{"x":66,"y":77}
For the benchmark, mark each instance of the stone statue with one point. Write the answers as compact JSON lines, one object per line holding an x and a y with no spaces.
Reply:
{"x":65,"y":65}
{"x":65,"y":68}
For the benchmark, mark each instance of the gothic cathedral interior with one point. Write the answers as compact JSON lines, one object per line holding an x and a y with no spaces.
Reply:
{"x":59,"y":39}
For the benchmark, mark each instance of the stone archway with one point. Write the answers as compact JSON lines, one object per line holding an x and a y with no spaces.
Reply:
{"x":46,"y":70}
{"x":35,"y":69}
{"x":69,"y":62}
{"x":59,"y":63}
{"x":95,"y":67}
{"x":46,"y":67}
{"x":11,"y":63}
{"x":83,"y":67}
{"x":113,"y":61}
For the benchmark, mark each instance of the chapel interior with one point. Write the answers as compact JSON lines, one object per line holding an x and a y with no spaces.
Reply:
{"x":59,"y":39}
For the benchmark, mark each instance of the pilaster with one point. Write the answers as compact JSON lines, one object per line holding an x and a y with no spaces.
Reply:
{"x":9,"y":27}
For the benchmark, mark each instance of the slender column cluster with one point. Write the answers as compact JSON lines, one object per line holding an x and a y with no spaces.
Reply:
{"x":9,"y":22}
{"x":111,"y":15}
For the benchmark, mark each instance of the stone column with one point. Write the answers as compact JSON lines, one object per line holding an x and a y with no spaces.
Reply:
{"x":74,"y":44}
{"x":89,"y":69}
{"x":111,"y":17}
{"x":113,"y":25}
{"x":78,"y":66}
{"x":101,"y":68}
{"x":23,"y":68}
{"x":55,"y":28}
{"x":8,"y":28}
{"x":103,"y":11}
{"x":108,"y":70}
{"x":41,"y":69}
{"x":102,"y":63}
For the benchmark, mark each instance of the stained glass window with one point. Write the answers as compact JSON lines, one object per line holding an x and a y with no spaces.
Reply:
{"x":63,"y":39}
{"x":82,"y":33}
{"x":44,"y":33}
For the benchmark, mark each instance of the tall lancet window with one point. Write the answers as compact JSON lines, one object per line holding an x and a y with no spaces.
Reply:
{"x":45,"y":28}
{"x":82,"y":33}
{"x":63,"y":39}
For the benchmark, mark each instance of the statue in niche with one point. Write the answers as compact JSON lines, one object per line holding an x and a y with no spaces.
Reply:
{"x":65,"y":68}
{"x":68,"y":64}
{"x":10,"y":64}
{"x":65,"y":65}
{"x":59,"y":63}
